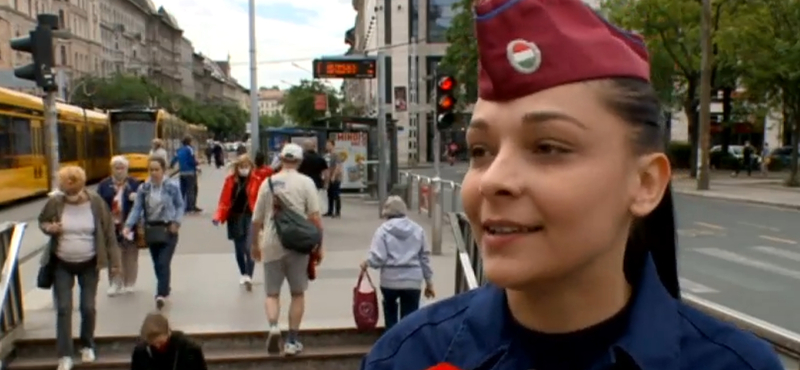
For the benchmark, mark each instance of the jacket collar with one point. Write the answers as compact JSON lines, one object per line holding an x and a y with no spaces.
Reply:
{"x":652,"y":339}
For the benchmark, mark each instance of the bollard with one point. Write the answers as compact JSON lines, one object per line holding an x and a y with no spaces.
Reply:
{"x":409,"y":190}
{"x":436,"y":204}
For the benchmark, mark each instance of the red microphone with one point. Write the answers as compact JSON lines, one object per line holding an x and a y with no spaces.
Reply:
{"x":443,"y":366}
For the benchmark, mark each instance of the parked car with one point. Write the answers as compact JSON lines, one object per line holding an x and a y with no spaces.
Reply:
{"x":780,"y":158}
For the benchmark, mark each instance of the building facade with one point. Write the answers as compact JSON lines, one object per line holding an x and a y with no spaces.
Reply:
{"x":165,"y":41}
{"x":186,"y":67}
{"x":123,"y":34}
{"x":270,"y":101}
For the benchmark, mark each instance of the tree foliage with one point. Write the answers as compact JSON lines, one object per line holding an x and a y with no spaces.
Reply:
{"x":223,"y":119}
{"x":461,"y":58}
{"x":763,"y":41}
{"x":298,"y":102}
{"x":272,"y":120}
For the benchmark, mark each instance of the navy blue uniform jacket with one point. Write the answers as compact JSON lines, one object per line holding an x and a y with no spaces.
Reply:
{"x":471,"y":331}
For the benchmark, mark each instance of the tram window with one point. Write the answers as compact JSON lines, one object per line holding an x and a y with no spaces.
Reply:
{"x":100,"y":142}
{"x":6,"y":143}
{"x":67,"y":142}
{"x":23,"y":137}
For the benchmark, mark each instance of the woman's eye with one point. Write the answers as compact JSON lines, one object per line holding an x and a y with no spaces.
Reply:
{"x":476,"y":152}
{"x":550,"y":149}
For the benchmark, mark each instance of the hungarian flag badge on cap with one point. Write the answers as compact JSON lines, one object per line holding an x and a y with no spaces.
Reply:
{"x":526,"y":46}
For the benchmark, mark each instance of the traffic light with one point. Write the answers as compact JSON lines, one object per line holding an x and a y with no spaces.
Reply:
{"x":39,"y":44}
{"x":445,"y":102}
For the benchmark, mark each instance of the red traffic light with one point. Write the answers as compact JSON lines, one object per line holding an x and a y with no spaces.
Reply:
{"x":446,"y":83}
{"x":446,"y":102}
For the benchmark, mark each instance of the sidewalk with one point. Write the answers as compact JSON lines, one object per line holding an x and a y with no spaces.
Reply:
{"x":756,"y":189}
{"x":206,"y":296}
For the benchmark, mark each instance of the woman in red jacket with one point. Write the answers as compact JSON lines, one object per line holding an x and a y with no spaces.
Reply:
{"x":236,"y":203}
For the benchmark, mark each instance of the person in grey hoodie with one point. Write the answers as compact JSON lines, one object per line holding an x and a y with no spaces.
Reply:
{"x":398,"y":250}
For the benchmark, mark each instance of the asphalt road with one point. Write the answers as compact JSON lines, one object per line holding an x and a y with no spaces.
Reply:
{"x":740,"y":255}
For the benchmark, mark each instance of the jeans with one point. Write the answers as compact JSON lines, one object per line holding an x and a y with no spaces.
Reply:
{"x":334,"y":198}
{"x":243,"y":257}
{"x":88,"y":278}
{"x":162,"y":264}
{"x":189,"y":190}
{"x":407,"y":300}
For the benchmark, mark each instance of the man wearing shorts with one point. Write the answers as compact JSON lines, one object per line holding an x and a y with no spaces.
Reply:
{"x":298,"y":193}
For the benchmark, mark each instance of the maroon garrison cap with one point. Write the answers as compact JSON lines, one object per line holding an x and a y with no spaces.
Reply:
{"x":526,"y":46}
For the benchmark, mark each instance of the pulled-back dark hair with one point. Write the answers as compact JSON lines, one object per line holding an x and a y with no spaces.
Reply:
{"x":260,"y":160}
{"x":635,"y":101}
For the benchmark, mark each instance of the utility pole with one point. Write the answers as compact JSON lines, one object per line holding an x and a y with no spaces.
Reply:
{"x":703,"y":180}
{"x":39,"y":44}
{"x":413,"y":111}
{"x":382,"y":144}
{"x":254,"y":129}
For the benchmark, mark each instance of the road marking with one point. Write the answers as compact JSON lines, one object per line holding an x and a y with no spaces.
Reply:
{"x":710,"y":226}
{"x":749,"y":262}
{"x":773,"y":229}
{"x":789,"y":255}
{"x":696,"y":288}
{"x":778,"y":240}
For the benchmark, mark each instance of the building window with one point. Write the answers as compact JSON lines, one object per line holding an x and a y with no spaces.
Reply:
{"x":440,"y":15}
{"x":413,"y":19}
{"x":63,"y":55}
{"x":61,"y":21}
{"x":389,"y":90}
{"x":431,"y":63}
{"x":387,"y":23}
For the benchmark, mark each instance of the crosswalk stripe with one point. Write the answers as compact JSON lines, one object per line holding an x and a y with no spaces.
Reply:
{"x":782,"y":253}
{"x":746,"y":261}
{"x":696,"y":288}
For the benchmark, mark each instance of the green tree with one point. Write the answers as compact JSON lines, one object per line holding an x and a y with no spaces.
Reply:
{"x":298,"y":102}
{"x":461,"y":57}
{"x":113,"y":92}
{"x":672,"y":31}
{"x":763,"y":41}
{"x":272,"y":120}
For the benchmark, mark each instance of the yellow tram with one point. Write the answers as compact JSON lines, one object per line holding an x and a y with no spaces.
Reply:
{"x":133,"y":131}
{"x":84,"y":140}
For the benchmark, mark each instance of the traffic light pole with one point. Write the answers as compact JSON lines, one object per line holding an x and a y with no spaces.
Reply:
{"x":383,"y":161}
{"x":51,"y":137}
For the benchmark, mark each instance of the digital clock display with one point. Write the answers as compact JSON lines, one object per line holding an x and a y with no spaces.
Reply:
{"x":361,"y":69}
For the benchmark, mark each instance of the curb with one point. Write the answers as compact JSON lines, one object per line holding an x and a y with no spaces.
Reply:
{"x":731,"y":198}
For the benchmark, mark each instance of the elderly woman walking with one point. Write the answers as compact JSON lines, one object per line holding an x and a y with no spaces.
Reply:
{"x":119,"y":192}
{"x":398,"y":250}
{"x":82,"y":242}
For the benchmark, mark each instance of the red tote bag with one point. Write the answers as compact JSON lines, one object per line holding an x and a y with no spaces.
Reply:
{"x":365,"y":304}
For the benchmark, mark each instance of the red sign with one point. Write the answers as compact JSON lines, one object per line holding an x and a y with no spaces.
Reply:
{"x":321,"y":102}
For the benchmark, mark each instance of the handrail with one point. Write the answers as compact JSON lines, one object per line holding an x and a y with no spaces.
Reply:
{"x":12,"y":315}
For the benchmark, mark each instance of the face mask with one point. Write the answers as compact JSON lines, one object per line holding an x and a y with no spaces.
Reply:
{"x":244,"y":171}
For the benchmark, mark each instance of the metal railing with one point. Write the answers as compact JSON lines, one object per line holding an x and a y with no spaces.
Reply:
{"x":434,"y":197}
{"x":12,"y":314}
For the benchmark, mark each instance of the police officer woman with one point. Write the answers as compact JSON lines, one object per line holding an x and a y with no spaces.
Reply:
{"x":568,"y":196}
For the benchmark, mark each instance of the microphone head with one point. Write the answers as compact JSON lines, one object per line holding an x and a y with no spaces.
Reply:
{"x":443,"y":366}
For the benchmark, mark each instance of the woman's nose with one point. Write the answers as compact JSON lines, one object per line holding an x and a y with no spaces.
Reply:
{"x":503,"y":177}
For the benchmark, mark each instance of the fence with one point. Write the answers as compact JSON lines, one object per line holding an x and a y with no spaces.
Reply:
{"x":12,"y":314}
{"x":426,"y":195}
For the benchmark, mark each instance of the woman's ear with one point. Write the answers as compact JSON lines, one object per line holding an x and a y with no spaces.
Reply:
{"x":654,"y":174}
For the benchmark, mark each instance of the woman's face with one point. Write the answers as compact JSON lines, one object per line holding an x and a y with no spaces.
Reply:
{"x":156,"y":171}
{"x":551,"y":182}
{"x":119,"y":170}
{"x":72,"y":189}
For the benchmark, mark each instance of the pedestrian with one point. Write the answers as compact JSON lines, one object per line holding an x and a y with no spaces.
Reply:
{"x":334,"y":181}
{"x":164,"y":348}
{"x":297,"y":193}
{"x":158,"y":150}
{"x":188,"y":170}
{"x":82,"y":242}
{"x":315,"y":167}
{"x":159,"y":204}
{"x":219,"y":159}
{"x":398,"y":250}
{"x":262,"y":170}
{"x":236,"y":203}
{"x":571,"y":208}
{"x":746,"y":161}
{"x":119,"y":193}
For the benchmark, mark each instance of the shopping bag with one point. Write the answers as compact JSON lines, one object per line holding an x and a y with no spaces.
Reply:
{"x":365,"y":304}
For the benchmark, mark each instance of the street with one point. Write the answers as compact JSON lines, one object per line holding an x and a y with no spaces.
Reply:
{"x":740,"y":255}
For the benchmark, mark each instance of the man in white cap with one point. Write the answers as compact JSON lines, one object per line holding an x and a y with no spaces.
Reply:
{"x":298,"y":193}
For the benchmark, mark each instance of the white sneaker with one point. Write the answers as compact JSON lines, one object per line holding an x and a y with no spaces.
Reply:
{"x":248,"y":283}
{"x":128,"y":290}
{"x":274,"y":340}
{"x":114,"y":289}
{"x":87,"y":355}
{"x":65,"y":363}
{"x":242,"y":279}
{"x":293,"y":348}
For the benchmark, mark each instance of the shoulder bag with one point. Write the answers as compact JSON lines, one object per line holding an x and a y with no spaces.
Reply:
{"x":155,"y":232}
{"x":294,"y":230}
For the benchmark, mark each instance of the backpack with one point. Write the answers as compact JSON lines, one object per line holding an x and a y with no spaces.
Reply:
{"x":294,"y":230}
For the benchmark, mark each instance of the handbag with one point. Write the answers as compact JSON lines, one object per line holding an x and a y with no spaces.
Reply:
{"x":156,"y":232}
{"x":295,"y":231}
{"x":365,"y":304}
{"x":46,"y":276}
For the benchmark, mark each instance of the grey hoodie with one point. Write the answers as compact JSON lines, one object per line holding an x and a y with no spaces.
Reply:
{"x":398,"y":250}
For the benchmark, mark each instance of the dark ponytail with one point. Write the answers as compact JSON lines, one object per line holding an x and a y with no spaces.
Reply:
{"x":636,"y":102}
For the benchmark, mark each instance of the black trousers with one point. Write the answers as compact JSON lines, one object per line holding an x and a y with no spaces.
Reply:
{"x":335,"y":198}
